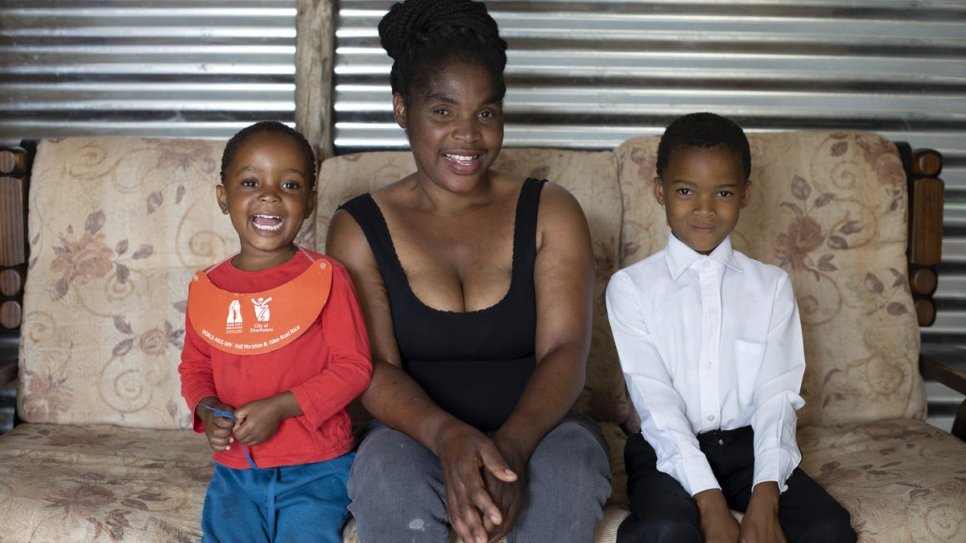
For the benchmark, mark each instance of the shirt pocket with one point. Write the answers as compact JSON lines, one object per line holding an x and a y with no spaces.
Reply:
{"x":748,"y":358}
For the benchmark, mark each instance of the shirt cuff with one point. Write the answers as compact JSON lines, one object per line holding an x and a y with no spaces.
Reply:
{"x":694,"y":474}
{"x":775,"y":465}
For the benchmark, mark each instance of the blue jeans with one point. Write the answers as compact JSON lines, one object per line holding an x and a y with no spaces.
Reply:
{"x":398,"y":493}
{"x":287,"y":504}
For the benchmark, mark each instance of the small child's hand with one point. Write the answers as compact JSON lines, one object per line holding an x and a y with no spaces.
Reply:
{"x":217,"y":428}
{"x":258,"y":421}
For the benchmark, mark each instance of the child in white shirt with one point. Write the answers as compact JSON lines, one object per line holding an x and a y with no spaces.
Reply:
{"x":711,"y":348}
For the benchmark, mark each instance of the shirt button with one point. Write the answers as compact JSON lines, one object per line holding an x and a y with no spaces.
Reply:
{"x":710,"y":418}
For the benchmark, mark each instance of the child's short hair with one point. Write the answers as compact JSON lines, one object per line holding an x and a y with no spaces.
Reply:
{"x":703,"y":131}
{"x":269,"y":127}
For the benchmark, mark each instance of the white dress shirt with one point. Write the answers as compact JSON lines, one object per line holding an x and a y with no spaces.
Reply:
{"x":707,"y":343}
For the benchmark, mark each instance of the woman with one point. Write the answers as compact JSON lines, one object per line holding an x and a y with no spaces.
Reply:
{"x":476,"y":286}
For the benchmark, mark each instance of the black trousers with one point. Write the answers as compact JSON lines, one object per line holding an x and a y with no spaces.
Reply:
{"x":662,"y":511}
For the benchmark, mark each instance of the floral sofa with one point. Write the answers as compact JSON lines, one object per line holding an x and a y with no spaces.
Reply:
{"x":118,"y":225}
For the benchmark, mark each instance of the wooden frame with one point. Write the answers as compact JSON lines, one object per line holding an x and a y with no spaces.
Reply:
{"x":14,"y":171}
{"x":923,"y":167}
{"x":314,"y":73}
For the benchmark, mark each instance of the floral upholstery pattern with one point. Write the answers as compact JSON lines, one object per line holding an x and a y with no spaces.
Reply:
{"x":118,"y":225}
{"x":903,"y":481}
{"x":101,"y":483}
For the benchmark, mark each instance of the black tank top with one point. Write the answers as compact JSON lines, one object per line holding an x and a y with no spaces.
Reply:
{"x":473,"y":364}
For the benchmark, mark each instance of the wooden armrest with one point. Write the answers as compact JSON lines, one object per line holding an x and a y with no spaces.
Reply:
{"x":14,"y":166}
{"x":922,"y":167}
{"x":946,"y":363}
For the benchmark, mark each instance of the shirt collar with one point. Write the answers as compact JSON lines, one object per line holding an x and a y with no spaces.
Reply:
{"x":680,"y":257}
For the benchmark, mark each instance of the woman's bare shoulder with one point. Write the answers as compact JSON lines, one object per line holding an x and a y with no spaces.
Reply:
{"x":556,"y":202}
{"x":343,"y":235}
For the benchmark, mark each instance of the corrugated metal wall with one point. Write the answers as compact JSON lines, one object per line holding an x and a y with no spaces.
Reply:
{"x":584,"y":74}
{"x":589,"y":74}
{"x":168,"y":68}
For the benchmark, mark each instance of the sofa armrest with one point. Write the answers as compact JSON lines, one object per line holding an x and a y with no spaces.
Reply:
{"x":946,"y":363}
{"x":14,"y":168}
{"x":922,"y":168}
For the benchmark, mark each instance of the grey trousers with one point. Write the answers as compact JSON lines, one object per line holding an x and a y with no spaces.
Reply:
{"x":397,"y":491}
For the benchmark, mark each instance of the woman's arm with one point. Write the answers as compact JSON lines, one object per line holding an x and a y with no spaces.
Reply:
{"x":392,"y":397}
{"x":563,"y":280}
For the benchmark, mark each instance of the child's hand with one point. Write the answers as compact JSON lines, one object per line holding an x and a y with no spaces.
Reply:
{"x":717,"y":524}
{"x":760,"y":523}
{"x":259,"y":420}
{"x":217,"y":429}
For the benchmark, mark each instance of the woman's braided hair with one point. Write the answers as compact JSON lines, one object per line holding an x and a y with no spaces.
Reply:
{"x":421,"y":35}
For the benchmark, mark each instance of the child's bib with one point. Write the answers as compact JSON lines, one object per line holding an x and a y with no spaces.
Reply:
{"x":258,"y":322}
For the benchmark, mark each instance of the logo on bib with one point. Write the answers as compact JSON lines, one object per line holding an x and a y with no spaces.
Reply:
{"x":233,"y":324}
{"x":262,"y":312}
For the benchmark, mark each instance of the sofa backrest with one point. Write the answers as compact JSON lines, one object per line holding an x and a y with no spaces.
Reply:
{"x":830,"y":209}
{"x":117,"y":225}
{"x":116,"y":228}
{"x":590,"y":176}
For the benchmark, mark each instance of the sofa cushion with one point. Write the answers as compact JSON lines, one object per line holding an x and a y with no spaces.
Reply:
{"x":903,"y":480}
{"x":830,"y":209}
{"x":105,"y":483}
{"x":116,"y":228}
{"x":591,"y":177}
{"x":102,"y":483}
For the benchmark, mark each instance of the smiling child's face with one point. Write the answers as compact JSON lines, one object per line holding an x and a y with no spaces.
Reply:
{"x":702,"y":191}
{"x":267,"y":193}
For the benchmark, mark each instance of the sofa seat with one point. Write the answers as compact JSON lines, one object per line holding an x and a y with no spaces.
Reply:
{"x":884,"y":473}
{"x":101,"y":483}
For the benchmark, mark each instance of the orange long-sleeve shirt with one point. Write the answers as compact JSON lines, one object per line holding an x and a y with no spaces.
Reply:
{"x":325,"y":368}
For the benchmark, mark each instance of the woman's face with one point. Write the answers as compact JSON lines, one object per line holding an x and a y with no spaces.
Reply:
{"x":455,"y":126}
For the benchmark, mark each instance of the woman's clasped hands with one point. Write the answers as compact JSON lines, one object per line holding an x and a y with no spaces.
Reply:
{"x":485,"y":489}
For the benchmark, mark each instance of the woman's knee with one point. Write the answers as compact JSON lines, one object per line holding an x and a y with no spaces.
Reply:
{"x":569,"y":477}
{"x":392,"y":469}
{"x":396,"y":490}
{"x":574,"y":457}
